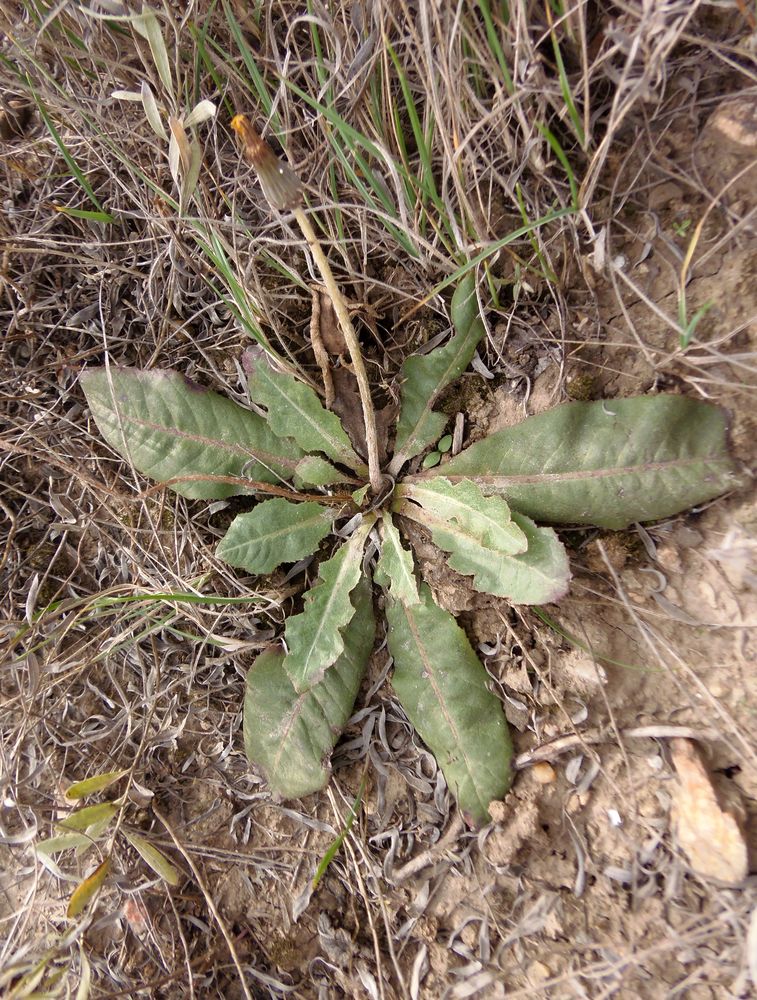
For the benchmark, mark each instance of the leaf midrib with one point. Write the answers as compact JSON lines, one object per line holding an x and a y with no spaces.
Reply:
{"x":288,"y":529}
{"x":352,"y":549}
{"x":576,"y":474}
{"x":430,"y":676}
{"x":262,"y":457}
{"x":489,"y":522}
{"x":341,"y":451}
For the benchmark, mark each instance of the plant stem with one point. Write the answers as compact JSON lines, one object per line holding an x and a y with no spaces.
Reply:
{"x":348,"y":330}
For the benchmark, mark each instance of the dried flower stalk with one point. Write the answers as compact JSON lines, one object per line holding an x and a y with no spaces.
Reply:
{"x":283,"y":190}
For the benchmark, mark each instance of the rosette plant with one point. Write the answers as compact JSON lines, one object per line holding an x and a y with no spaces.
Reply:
{"x":608,"y":463}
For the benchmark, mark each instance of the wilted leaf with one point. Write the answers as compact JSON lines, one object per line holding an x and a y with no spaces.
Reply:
{"x":463,"y":506}
{"x":314,"y":637}
{"x":85,"y":975}
{"x":348,"y":406}
{"x":275,"y":532}
{"x":88,"y":889}
{"x":147,"y":25}
{"x":150,"y":106}
{"x":290,"y":735}
{"x":81,"y":789}
{"x":443,"y":688}
{"x":295,"y":411}
{"x":167,"y":426}
{"x":394,"y":569}
{"x":608,"y":463}
{"x":190,"y":178}
{"x":424,"y":377}
{"x":200,"y":113}
{"x":153,"y":857}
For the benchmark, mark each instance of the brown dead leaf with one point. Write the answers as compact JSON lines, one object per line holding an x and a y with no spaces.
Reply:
{"x":348,"y":407}
{"x":331,"y":336}
{"x":708,"y":832}
{"x":15,"y":115}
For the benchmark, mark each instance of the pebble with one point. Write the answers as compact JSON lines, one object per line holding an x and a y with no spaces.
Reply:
{"x":737,"y":120}
{"x":543,"y":772}
{"x":538,"y":972}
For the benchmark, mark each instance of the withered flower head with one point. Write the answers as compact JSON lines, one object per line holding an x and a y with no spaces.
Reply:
{"x":281,"y":185}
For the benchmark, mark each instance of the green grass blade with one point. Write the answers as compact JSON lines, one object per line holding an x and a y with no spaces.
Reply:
{"x":70,"y":161}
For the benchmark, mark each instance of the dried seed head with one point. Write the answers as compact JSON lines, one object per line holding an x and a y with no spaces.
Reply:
{"x":281,"y":185}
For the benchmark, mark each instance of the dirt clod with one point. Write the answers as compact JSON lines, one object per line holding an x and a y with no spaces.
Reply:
{"x":708,"y":831}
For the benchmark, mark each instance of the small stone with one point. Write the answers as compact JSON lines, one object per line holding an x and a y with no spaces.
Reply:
{"x":737,"y":121}
{"x":543,"y":772}
{"x":709,"y":833}
{"x":669,"y":558}
{"x":577,"y":801}
{"x":538,"y":972}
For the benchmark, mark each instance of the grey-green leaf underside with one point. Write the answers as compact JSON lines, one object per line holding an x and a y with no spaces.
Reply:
{"x":486,"y":519}
{"x":290,"y":735}
{"x":424,"y":377}
{"x":314,"y":637}
{"x":169,"y":427}
{"x":607,"y":463}
{"x":275,"y":532}
{"x":295,"y":411}
{"x":536,"y":573}
{"x":443,"y":688}
{"x":394,"y":569}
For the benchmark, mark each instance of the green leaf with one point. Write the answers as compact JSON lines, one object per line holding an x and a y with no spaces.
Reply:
{"x":64,"y":842}
{"x":315,"y":471}
{"x":84,"y":819}
{"x":443,"y":688}
{"x":290,"y":735}
{"x":336,"y":845}
{"x":314,"y":637}
{"x":424,"y":377}
{"x":608,"y":463}
{"x":85,"y":213}
{"x":88,"y":786}
{"x":537,"y":573}
{"x":153,"y":857}
{"x":433,"y":458}
{"x":463,"y":507}
{"x":359,"y":495}
{"x":169,"y":427}
{"x":275,"y":532}
{"x":295,"y":411}
{"x":394,"y":569}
